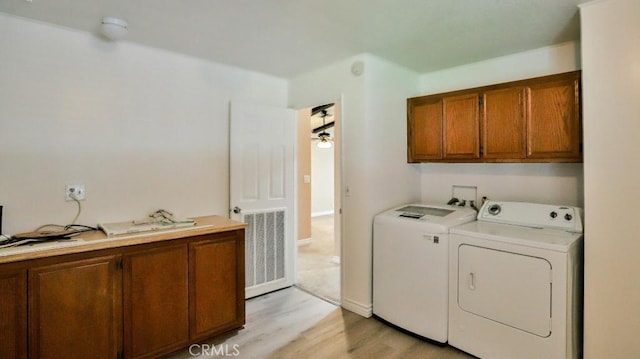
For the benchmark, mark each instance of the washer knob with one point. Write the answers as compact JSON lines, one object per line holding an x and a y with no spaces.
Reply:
{"x":494,"y":209}
{"x":553,"y":214}
{"x":568,"y":217}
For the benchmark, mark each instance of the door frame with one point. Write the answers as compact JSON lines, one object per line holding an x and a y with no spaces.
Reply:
{"x":338,"y":188}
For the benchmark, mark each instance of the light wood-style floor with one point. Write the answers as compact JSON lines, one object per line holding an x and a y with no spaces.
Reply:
{"x":294,"y":324}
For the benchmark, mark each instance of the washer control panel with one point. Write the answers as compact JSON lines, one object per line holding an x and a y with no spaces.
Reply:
{"x":533,"y":215}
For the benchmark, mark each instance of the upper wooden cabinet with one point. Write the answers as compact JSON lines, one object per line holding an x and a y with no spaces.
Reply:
{"x":504,"y":125}
{"x":461,"y":129}
{"x":534,"y":120}
{"x":443,"y":128}
{"x":553,"y":119}
{"x":425,"y":129}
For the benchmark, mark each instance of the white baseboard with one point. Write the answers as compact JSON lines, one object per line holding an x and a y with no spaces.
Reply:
{"x":358,"y":308}
{"x":322,"y":213}
{"x":304,"y":242}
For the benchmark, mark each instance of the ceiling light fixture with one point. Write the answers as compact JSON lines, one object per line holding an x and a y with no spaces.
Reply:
{"x":325,"y":140}
{"x":324,"y":137}
{"x":113,"y":28}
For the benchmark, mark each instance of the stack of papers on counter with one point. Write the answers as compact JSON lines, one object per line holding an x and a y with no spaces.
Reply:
{"x":114,"y":229}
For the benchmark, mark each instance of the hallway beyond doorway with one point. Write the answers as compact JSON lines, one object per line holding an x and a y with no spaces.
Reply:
{"x":318,"y":270}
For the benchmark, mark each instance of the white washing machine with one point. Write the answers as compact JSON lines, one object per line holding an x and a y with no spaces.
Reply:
{"x":515,"y":286}
{"x":410,"y":266}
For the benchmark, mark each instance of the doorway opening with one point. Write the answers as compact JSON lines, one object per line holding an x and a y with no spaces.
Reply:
{"x":319,"y":245}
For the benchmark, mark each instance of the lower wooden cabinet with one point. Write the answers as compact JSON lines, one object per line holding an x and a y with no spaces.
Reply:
{"x":144,"y":301}
{"x":13,"y":314}
{"x":156,"y":301}
{"x":217,"y":286}
{"x":75,"y":309}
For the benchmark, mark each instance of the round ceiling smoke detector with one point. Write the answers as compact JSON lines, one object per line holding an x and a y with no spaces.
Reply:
{"x":113,"y":28}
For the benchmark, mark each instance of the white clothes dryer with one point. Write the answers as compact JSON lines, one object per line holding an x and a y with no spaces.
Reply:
{"x":515,"y":285}
{"x":410,"y":266}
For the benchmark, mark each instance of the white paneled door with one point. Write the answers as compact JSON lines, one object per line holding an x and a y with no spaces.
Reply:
{"x":262,"y":168}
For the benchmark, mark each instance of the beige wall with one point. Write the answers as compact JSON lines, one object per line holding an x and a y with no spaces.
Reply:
{"x":142,"y":128}
{"x":611,"y":93}
{"x":373,"y":109}
{"x":304,"y":168}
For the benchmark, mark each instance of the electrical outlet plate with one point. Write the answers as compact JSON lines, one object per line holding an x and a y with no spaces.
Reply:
{"x":77,"y":190}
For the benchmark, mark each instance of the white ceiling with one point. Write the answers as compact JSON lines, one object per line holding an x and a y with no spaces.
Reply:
{"x":286,"y":38}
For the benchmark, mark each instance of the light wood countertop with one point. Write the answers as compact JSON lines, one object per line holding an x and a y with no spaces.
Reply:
{"x":97,"y":240}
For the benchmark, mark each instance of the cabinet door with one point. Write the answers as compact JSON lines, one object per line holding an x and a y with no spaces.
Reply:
{"x":75,"y":309}
{"x":553,"y":121}
{"x":424,"y":129}
{"x":461,"y":126}
{"x":13,"y":311}
{"x":503,"y":123}
{"x":216,"y":278}
{"x":155,"y":301}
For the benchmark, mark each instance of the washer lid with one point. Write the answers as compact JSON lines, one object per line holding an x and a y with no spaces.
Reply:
{"x":415,"y":211}
{"x":545,"y":238}
{"x":439,"y":216}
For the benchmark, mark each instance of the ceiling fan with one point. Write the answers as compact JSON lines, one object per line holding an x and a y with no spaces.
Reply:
{"x":324,"y":138}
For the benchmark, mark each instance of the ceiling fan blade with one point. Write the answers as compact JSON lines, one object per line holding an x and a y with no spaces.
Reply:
{"x":323,"y":127}
{"x":319,"y":109}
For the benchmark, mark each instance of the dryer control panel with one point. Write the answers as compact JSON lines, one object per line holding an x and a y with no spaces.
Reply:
{"x":532,"y":215}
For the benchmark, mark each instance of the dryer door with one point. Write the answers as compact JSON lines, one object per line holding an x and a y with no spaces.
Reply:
{"x":509,"y":288}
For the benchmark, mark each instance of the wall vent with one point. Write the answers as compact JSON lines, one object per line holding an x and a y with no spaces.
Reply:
{"x":264,"y":247}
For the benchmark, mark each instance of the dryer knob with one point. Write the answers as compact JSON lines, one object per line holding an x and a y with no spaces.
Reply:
{"x":494,"y":209}
{"x":568,"y":217}
{"x":553,"y":214}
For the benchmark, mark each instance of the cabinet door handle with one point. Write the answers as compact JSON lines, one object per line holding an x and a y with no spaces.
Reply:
{"x":472,"y":281}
